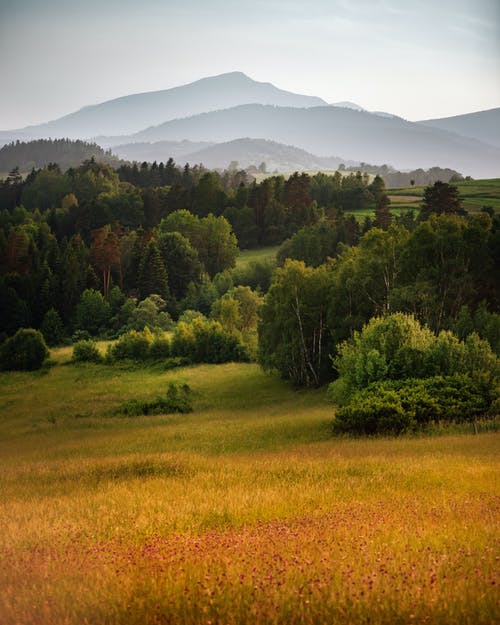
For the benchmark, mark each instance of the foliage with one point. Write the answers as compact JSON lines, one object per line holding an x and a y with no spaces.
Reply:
{"x":52,"y":328}
{"x":293,"y":333}
{"x":207,"y":341}
{"x":92,"y":312}
{"x":86,"y":351}
{"x":25,"y":351}
{"x":397,"y":347}
{"x":395,"y":407}
{"x":440,"y":198}
{"x":177,"y":399}
{"x":133,"y":345}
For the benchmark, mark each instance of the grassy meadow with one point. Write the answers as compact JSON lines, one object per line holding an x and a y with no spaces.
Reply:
{"x":475,"y":195}
{"x":261,"y":255}
{"x":244,"y":511}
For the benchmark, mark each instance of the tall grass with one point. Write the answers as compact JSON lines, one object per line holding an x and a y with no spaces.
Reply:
{"x":244,"y":511}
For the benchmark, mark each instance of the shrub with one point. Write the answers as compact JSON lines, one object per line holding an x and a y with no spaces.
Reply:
{"x":207,"y":341}
{"x":397,"y":347}
{"x":132,"y":346}
{"x":25,"y":351}
{"x":177,"y":400}
{"x":396,"y":406}
{"x":374,"y":413}
{"x":159,"y":348}
{"x":86,"y":351}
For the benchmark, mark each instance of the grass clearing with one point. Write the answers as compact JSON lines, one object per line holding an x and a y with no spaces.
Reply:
{"x":244,"y":511}
{"x":261,"y":255}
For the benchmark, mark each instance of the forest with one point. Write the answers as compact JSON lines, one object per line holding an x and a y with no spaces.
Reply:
{"x":96,"y":252}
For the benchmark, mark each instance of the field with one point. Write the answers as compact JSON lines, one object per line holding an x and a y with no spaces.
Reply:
{"x":262,"y":255}
{"x":244,"y":511}
{"x":475,"y":194}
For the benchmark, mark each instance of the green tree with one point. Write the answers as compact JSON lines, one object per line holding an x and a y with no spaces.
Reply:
{"x":152,"y":273}
{"x":52,"y":328}
{"x":293,"y":332}
{"x":92,"y":312}
{"x":181,"y":261}
{"x":441,"y":198}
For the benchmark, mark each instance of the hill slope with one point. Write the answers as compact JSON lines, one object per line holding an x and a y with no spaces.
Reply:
{"x":40,"y":153}
{"x":133,"y":112}
{"x":356,"y":135}
{"x":483,"y":125}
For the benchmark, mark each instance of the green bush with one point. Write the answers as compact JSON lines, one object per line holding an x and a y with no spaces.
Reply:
{"x":25,"y":351}
{"x":159,"y":348}
{"x":397,"y":406}
{"x":374,"y":413}
{"x":207,"y":341}
{"x":177,"y":400}
{"x":133,"y":345}
{"x":397,"y":347}
{"x":86,"y":351}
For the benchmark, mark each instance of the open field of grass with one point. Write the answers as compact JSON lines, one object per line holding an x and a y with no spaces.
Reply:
{"x":244,"y":511}
{"x":475,"y":194}
{"x":261,"y":254}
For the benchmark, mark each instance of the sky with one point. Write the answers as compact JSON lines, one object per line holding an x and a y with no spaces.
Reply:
{"x":419,"y":59}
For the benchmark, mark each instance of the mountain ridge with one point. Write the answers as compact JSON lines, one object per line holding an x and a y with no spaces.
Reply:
{"x":134,"y":112}
{"x":356,"y":135}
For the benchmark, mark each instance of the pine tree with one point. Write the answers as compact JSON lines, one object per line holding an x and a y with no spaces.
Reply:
{"x":152,"y":273}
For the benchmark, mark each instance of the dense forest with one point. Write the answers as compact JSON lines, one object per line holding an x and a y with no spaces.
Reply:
{"x":26,"y":155}
{"x":97,"y":251}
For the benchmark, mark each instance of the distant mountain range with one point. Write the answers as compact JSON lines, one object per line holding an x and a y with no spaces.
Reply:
{"x":484,"y":125}
{"x":245,"y":152}
{"x":132,"y":113}
{"x":250,"y":118}
{"x":353,"y":135}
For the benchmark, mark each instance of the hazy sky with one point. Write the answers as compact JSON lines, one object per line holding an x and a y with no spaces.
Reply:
{"x":416,"y":58}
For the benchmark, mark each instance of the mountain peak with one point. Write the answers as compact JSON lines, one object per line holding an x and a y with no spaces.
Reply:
{"x":350,"y":105}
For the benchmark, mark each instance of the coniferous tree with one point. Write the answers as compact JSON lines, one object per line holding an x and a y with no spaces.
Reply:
{"x":152,"y":273}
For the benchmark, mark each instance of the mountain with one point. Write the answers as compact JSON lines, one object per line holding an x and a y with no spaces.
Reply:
{"x":132,"y":113}
{"x":159,"y":151}
{"x":483,"y":126}
{"x":247,"y":152}
{"x":349,"y":105}
{"x":326,"y":130}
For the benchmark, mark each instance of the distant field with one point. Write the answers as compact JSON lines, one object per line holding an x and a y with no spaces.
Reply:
{"x":244,"y":511}
{"x":475,"y":194}
{"x":262,"y":254}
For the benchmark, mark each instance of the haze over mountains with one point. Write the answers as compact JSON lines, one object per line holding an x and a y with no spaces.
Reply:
{"x":251,"y":118}
{"x":132,"y":113}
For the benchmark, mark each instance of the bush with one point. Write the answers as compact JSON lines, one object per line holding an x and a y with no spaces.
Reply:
{"x":374,"y":413}
{"x":177,"y":400}
{"x":397,"y":347}
{"x":132,"y":346}
{"x":86,"y":351}
{"x":159,"y":348}
{"x":396,"y":406}
{"x":207,"y":341}
{"x":25,"y":351}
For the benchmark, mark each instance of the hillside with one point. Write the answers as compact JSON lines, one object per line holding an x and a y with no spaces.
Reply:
{"x":159,"y":151}
{"x":66,"y":153}
{"x":247,"y":152}
{"x":132,"y":113}
{"x":328,"y":130}
{"x":483,"y":125}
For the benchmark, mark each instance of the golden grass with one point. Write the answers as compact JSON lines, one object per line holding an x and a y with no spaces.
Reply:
{"x":245,"y":511}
